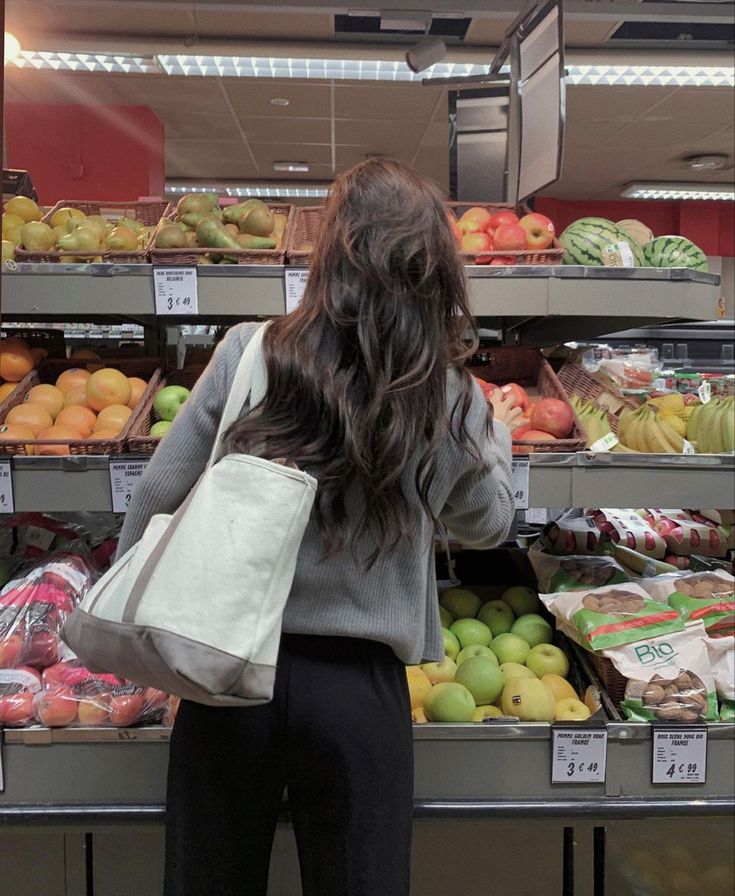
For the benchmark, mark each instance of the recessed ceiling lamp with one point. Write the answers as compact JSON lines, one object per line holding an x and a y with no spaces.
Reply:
{"x":294,"y":167}
{"x":675,"y":190}
{"x":711,"y":162}
{"x":88,"y":62}
{"x":427,"y":52}
{"x":11,"y":47}
{"x":280,"y":101}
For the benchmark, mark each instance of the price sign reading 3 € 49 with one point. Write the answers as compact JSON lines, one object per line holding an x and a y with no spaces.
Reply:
{"x":175,"y":291}
{"x":579,"y":755}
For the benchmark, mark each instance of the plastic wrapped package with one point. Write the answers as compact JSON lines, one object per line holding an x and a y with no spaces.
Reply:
{"x":574,"y":573}
{"x":18,"y":687}
{"x":722,"y":657}
{"x":709,"y":596}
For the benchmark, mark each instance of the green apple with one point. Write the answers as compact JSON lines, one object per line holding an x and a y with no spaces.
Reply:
{"x":487,"y":712}
{"x":471,"y":631}
{"x":441,"y":671}
{"x":529,"y":699}
{"x":534,"y":629}
{"x":515,"y":670}
{"x":451,"y":644}
{"x":445,"y":617}
{"x":482,"y":678}
{"x":160,"y":429}
{"x":509,"y":648}
{"x":546,"y":659}
{"x":462,"y":604}
{"x":521,"y":600}
{"x":168,"y":401}
{"x":476,"y":650}
{"x":449,"y":702}
{"x":497,"y":616}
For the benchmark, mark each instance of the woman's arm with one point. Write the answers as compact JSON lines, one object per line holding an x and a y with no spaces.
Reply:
{"x":182,"y":455}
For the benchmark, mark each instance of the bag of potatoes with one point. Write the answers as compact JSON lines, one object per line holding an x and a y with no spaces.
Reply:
{"x":709,"y":596}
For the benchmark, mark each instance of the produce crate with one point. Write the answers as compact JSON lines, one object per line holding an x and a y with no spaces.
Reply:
{"x":140,"y":441}
{"x":526,"y":366}
{"x":243,"y":256}
{"x":147,"y":211}
{"x":612,"y":680}
{"x":305,"y":229}
{"x":553,"y":255}
{"x":577,"y":381}
{"x":49,"y":371}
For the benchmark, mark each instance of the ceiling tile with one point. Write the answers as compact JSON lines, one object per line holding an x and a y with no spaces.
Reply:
{"x":648,"y":135}
{"x":394,"y":138}
{"x":204,"y":161}
{"x":287,"y":130}
{"x":387,"y":102}
{"x":201,"y":126}
{"x":57,"y":87}
{"x":251,"y":97}
{"x":312,"y":153}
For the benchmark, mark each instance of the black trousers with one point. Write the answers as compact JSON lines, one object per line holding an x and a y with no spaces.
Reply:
{"x":338,"y":736}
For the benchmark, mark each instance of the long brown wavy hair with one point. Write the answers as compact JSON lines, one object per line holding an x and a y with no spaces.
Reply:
{"x":357,"y":374}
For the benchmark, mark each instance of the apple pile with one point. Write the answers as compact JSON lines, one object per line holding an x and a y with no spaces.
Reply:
{"x":478,"y":231}
{"x":543,"y":418}
{"x":166,"y":405}
{"x":499,"y":661}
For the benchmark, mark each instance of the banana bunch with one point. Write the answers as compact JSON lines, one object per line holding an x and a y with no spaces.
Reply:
{"x":712,"y":426}
{"x":596,"y":424}
{"x":646,"y":430}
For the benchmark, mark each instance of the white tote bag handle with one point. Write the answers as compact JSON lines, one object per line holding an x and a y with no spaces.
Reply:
{"x":250,"y":379}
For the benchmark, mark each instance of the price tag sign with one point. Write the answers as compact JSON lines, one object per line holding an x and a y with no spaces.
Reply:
{"x":679,"y":755}
{"x":705,"y":392}
{"x":175,"y":291}
{"x":124,"y":477}
{"x":7,"y":501}
{"x":606,"y":443}
{"x":295,"y":285}
{"x":537,"y":516}
{"x":579,"y":755}
{"x":519,"y":467}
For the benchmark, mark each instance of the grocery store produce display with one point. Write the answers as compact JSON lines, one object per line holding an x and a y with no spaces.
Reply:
{"x":484,"y":235}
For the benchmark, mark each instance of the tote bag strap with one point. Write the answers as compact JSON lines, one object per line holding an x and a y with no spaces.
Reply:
{"x":250,"y":379}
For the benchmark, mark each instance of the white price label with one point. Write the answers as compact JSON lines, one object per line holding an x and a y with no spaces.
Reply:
{"x":39,"y":538}
{"x":519,"y":467}
{"x":679,"y":755}
{"x":537,"y":516}
{"x":295,"y":285}
{"x":688,"y":448}
{"x":579,"y":755}
{"x":175,"y":291}
{"x":124,"y":477}
{"x":705,"y":392}
{"x":606,"y":443}
{"x":7,"y":501}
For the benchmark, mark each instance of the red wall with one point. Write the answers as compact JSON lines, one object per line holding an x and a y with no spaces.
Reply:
{"x":112,"y":153}
{"x":711,"y":225}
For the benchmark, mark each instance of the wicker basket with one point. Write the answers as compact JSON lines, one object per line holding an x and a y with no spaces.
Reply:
{"x":141,"y":442}
{"x":526,"y":366}
{"x":305,"y":229}
{"x":614,"y":682}
{"x":243,"y":256}
{"x":49,"y":372}
{"x":148,"y":211}
{"x":553,"y":255}
{"x":577,"y":381}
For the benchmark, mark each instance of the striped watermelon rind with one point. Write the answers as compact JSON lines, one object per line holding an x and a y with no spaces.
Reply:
{"x":674,"y":252}
{"x":584,"y":241}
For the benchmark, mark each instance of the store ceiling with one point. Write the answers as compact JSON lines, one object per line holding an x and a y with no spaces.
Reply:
{"x":227,"y":129}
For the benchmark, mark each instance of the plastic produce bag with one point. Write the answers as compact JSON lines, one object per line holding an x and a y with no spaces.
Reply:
{"x":17,"y":689}
{"x":722,"y":657}
{"x":574,"y":573}
{"x":709,"y":596}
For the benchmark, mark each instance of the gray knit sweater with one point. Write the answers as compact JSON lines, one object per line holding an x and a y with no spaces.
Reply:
{"x":394,"y":602}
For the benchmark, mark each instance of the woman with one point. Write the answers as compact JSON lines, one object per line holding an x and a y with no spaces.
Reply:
{"x":367,"y":390}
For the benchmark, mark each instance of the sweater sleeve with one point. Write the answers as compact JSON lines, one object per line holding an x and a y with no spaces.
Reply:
{"x":480,"y":508}
{"x":181,"y":457}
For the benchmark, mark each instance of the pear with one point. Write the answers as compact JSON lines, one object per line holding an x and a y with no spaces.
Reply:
{"x":24,"y":208}
{"x":37,"y":237}
{"x":59,"y":231}
{"x":80,"y":241}
{"x":8,"y":251}
{"x":233,"y":214}
{"x":93,"y":224}
{"x":197,"y":202}
{"x":171,"y":237}
{"x":257,"y":222}
{"x":62,"y":215}
{"x":122,"y":238}
{"x":130,"y":223}
{"x":12,"y":226}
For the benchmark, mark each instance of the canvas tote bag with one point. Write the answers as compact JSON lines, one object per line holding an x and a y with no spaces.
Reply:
{"x":195,"y":607}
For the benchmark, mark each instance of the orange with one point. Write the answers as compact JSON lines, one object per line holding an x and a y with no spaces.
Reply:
{"x":76,"y":397}
{"x":138,"y":387}
{"x":38,"y":355}
{"x":106,"y":387}
{"x":86,"y":354}
{"x":79,"y":418}
{"x":105,"y":434}
{"x":15,"y":360}
{"x":31,"y":415}
{"x":7,"y":389}
{"x":56,"y":432}
{"x":113,"y":417}
{"x":48,"y":397}
{"x":14,"y":433}
{"x":74,"y":378}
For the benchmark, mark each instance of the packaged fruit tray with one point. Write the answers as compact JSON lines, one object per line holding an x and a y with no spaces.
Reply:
{"x":141,"y":441}
{"x":49,"y":373}
{"x":201,"y":255}
{"x":550,"y":255}
{"x":577,"y":381}
{"x":304,"y":232}
{"x":526,"y":367}
{"x":147,"y":212}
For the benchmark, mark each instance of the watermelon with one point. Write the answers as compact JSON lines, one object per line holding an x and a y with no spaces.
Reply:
{"x":674,"y":252}
{"x":637,"y":230}
{"x":584,"y":241}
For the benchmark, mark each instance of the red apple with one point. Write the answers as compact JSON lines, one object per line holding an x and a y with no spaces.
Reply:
{"x":16,"y":709}
{"x":500,"y":219}
{"x":520,"y":431}
{"x":510,"y":238}
{"x":154,"y":699}
{"x":55,"y":706}
{"x":42,"y":649}
{"x":519,"y":396}
{"x":539,"y":230}
{"x":554,"y":416}
{"x":476,"y":242}
{"x":537,"y":435}
{"x":95,"y":710}
{"x":502,"y":260}
{"x":10,"y":648}
{"x":474,"y":220}
{"x":127,"y":709}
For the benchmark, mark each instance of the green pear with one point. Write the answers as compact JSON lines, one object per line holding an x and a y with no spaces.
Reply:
{"x":80,"y":241}
{"x":37,"y":237}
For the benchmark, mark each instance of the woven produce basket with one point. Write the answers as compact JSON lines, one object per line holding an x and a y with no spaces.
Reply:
{"x":304,"y":230}
{"x":243,"y":256}
{"x":577,"y":381}
{"x":51,"y":340}
{"x":526,"y":366}
{"x":148,"y":211}
{"x":49,"y":372}
{"x":141,"y":442}
{"x":614,"y":682}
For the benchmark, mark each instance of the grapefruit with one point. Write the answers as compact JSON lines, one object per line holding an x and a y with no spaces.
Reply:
{"x":38,"y":354}
{"x":15,"y":432}
{"x":113,"y":417}
{"x":31,"y":415}
{"x":106,"y":387}
{"x":16,"y":360}
{"x":76,"y":398}
{"x":7,"y":389}
{"x":56,"y":433}
{"x":105,"y":434}
{"x":74,"y":378}
{"x":79,"y":418}
{"x":137,"y":387}
{"x":86,"y":354}
{"x":48,"y":397}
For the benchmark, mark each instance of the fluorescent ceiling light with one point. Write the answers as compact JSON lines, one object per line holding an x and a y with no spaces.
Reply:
{"x":255,"y":191}
{"x":87,"y":62}
{"x":652,"y":75}
{"x":300,"y":167}
{"x":675,"y":190}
